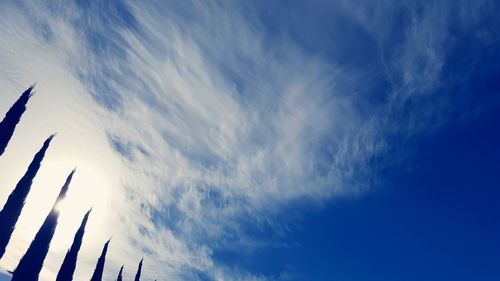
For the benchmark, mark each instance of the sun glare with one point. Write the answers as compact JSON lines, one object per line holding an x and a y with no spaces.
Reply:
{"x":89,"y":188}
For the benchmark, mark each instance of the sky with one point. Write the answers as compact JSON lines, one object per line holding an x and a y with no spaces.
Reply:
{"x":259,"y":140}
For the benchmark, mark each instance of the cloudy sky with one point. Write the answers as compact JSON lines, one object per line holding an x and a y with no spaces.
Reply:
{"x":260,"y":140}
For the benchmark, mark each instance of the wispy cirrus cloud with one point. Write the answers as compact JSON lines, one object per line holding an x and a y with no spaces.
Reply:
{"x":194,"y":123}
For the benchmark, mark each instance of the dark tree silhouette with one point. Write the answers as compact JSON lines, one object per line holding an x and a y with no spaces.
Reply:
{"x":69,"y":263}
{"x":12,"y":208}
{"x":31,"y":263}
{"x":12,"y":117}
{"x":139,"y":269}
{"x":99,"y":268}
{"x":120,"y":274}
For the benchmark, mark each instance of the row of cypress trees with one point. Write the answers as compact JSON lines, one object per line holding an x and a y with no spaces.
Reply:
{"x":31,"y":263}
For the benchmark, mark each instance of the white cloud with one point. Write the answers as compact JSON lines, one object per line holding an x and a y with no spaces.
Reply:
{"x":219,"y":125}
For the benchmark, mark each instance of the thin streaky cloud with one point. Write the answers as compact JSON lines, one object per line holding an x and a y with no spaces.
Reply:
{"x":203,"y":126}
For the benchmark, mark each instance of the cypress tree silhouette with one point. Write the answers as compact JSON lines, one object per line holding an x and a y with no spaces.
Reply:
{"x":139,"y":269}
{"x":69,"y":263}
{"x":31,"y":263}
{"x":120,"y":274}
{"x":99,"y":268}
{"x":12,"y":117}
{"x":12,"y":208}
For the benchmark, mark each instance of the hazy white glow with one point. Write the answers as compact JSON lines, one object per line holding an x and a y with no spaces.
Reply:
{"x":92,"y":184}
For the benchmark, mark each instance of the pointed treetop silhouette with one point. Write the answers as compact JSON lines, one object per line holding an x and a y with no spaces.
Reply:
{"x":12,"y":117}
{"x":119,"y":278}
{"x":31,"y":263}
{"x":139,"y":269}
{"x":99,"y":268}
{"x":69,"y":263}
{"x":15,"y":203}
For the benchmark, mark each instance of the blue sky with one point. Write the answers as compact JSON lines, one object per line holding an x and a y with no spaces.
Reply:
{"x":262,"y":140}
